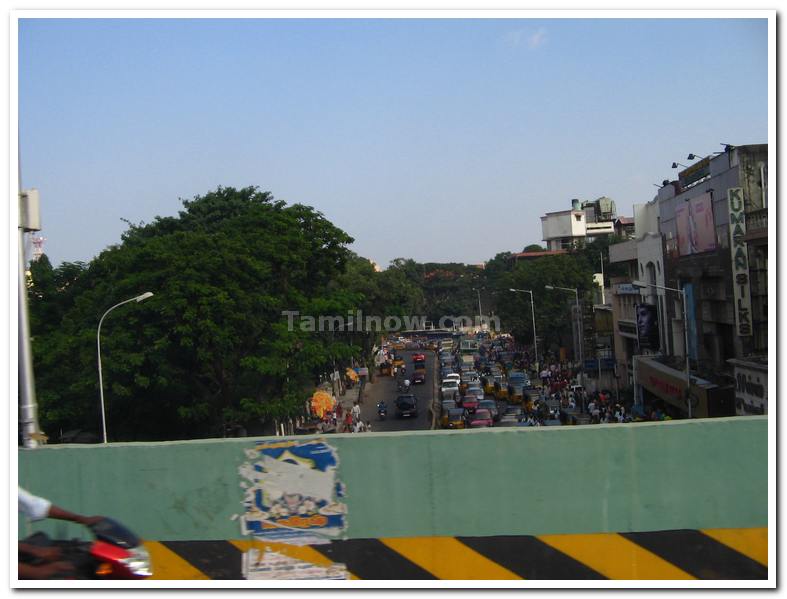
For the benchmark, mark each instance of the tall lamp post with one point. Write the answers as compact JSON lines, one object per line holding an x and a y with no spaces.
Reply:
{"x":533,"y":313}
{"x":643,"y":285}
{"x":137,"y":299}
{"x":579,"y":324}
{"x":480,"y":314}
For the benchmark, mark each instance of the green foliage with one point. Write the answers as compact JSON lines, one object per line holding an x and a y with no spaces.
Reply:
{"x":212,"y":343}
{"x":212,"y":347}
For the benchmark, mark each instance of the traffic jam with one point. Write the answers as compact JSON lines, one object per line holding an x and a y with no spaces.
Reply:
{"x":479,"y":383}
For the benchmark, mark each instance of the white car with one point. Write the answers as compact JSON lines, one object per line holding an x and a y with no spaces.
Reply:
{"x":449,"y":389}
{"x":453,"y":377}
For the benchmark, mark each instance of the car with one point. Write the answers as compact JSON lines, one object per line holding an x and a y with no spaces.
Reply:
{"x":491,"y":405}
{"x":406,"y":406}
{"x":449,"y":389}
{"x":444,"y":372}
{"x":419,"y":357}
{"x":456,"y":418}
{"x":478,"y":419}
{"x":418,"y":376}
{"x":470,"y":403}
{"x":476,"y":392}
{"x":452,"y":376}
{"x":445,"y":408}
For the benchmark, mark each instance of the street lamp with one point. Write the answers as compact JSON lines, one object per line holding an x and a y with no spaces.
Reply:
{"x":137,"y":299}
{"x":480,"y":314}
{"x":643,"y":285}
{"x":533,"y":312}
{"x":579,"y":324}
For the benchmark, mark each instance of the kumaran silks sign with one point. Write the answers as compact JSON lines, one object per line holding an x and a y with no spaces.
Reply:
{"x":739,"y":254}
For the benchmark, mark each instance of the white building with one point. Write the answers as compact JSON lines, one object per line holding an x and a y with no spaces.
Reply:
{"x":583,"y":223}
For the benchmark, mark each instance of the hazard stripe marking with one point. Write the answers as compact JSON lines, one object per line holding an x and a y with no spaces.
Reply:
{"x":751,"y":542}
{"x":219,"y":560}
{"x":168,"y":565}
{"x":615,"y":557}
{"x":530,"y":558}
{"x":721,"y":553}
{"x":370,"y":559}
{"x":300,"y":552}
{"x":448,"y":559}
{"x":699,"y":554}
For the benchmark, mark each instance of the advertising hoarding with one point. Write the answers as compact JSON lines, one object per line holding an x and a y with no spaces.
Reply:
{"x":696,"y":231}
{"x":647,"y":326}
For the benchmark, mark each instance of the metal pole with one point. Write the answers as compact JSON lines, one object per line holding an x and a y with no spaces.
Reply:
{"x":138,"y":298}
{"x":601,"y":254}
{"x":533,"y":312}
{"x":579,"y":338}
{"x":27,"y":397}
{"x":686,"y":344}
{"x":480,"y":314}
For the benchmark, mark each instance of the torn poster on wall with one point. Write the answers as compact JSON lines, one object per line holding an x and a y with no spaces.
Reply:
{"x":270,"y":565}
{"x":292,"y":493}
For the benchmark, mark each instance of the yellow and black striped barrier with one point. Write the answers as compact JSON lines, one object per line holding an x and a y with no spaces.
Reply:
{"x":725,"y":553}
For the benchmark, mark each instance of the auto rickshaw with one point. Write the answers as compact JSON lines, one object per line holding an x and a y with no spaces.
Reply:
{"x":501,"y":390}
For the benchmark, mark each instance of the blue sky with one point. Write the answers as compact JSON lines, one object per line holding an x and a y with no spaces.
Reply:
{"x":441,"y":140}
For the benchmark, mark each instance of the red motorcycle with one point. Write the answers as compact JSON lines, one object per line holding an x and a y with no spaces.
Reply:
{"x":115,"y":553}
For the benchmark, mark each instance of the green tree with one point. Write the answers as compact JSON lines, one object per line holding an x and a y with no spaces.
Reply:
{"x":211,"y":346}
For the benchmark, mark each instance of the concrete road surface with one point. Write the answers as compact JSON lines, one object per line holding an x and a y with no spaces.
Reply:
{"x":384,"y":388}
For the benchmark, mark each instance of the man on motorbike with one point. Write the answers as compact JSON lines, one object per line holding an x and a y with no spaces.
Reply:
{"x":38,"y":508}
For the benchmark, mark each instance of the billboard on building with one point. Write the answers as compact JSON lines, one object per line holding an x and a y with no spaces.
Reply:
{"x":696,"y":230}
{"x":647,"y":326}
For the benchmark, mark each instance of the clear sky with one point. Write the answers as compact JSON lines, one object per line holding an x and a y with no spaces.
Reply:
{"x":440,"y":140}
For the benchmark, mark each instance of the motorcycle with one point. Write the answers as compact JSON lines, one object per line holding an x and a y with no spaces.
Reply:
{"x":382,"y":412}
{"x":115,"y":553}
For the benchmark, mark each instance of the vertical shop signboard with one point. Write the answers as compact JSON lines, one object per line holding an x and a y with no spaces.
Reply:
{"x":739,"y":256}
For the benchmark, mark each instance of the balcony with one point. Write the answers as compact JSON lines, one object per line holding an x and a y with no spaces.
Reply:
{"x":756,"y":225}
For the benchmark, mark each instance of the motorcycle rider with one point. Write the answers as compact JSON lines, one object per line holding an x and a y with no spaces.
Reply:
{"x":382,"y":408}
{"x":38,"y":508}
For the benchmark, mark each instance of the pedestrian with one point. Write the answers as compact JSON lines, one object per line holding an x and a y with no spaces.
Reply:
{"x":348,"y":421}
{"x":356,"y":412}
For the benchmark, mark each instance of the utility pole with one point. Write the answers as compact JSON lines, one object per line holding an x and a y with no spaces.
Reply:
{"x":29,"y":220}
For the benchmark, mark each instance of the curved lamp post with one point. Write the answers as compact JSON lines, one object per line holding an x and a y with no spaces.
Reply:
{"x":682,"y":292}
{"x":533,"y":313}
{"x":580,"y":332}
{"x":137,"y":299}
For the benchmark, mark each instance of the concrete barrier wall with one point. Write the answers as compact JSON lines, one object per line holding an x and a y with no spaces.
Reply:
{"x":509,"y":481}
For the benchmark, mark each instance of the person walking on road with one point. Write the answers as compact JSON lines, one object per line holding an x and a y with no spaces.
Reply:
{"x":356,"y":412}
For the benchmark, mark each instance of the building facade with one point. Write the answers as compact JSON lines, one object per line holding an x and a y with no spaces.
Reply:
{"x":585,"y":221}
{"x":703,"y":237}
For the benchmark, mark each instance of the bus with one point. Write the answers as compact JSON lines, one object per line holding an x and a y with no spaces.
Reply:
{"x":468,"y":347}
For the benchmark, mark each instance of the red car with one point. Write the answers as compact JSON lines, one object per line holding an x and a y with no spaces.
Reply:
{"x":419,"y":358}
{"x":470,"y":403}
{"x":478,"y":419}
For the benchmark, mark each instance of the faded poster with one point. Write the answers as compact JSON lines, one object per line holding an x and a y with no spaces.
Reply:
{"x":292,"y":493}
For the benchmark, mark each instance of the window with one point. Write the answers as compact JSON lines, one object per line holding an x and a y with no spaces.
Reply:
{"x":578,"y":217}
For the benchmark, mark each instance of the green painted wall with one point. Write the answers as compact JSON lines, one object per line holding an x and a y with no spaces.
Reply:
{"x":632,"y":477}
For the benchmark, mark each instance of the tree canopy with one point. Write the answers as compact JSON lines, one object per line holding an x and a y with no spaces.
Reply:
{"x":212,"y":347}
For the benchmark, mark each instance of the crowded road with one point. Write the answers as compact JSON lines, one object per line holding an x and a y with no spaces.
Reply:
{"x":385,"y":388}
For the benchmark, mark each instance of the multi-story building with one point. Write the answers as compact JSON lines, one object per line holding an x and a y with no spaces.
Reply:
{"x":584,"y":222}
{"x":693,"y":237}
